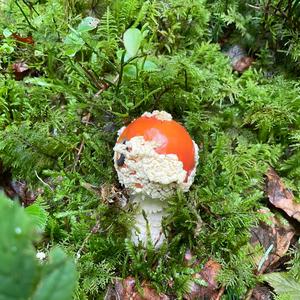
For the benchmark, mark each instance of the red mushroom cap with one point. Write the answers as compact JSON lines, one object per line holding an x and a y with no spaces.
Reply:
{"x":169,"y":134}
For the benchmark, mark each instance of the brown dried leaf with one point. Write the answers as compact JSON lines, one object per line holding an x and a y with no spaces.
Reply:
{"x":240,"y":62}
{"x":261,"y":293}
{"x":277,"y":235}
{"x":21,"y":69}
{"x":108,"y":193}
{"x":20,"y":189}
{"x":151,"y":294}
{"x":280,"y":196}
{"x":209,"y":274}
{"x":243,"y":64}
{"x":190,"y":260}
{"x":26,"y":40}
{"x":126,"y":290}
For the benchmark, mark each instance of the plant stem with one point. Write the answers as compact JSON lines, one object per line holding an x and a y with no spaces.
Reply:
{"x":120,"y":73}
{"x":24,"y":15}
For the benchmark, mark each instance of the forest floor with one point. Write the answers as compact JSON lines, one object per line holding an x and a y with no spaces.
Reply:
{"x":73,"y":72}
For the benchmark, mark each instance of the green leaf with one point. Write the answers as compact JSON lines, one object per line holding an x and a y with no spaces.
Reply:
{"x":6,"y":49}
{"x":132,"y":41}
{"x":39,"y":81}
{"x":71,"y":51}
{"x":73,"y":43}
{"x":284,"y":284}
{"x":130,"y":70}
{"x":19,"y":268}
{"x":149,"y":66}
{"x":38,"y":215}
{"x":120,"y":53}
{"x":58,"y":278}
{"x":88,"y":24}
{"x":22,"y":277}
{"x":7,"y":32}
{"x":74,"y":38}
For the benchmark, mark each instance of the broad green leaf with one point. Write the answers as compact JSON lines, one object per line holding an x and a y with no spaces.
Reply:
{"x":22,"y":277}
{"x":120,"y":53}
{"x":132,"y":41}
{"x":73,"y":43}
{"x":72,"y":50}
{"x":88,"y":24}
{"x":130,"y":70}
{"x":284,"y":284}
{"x":149,"y":66}
{"x":58,"y":278}
{"x":17,"y":255}
{"x":74,"y":39}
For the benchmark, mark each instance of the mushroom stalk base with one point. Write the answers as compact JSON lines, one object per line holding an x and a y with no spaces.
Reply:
{"x":148,"y":225}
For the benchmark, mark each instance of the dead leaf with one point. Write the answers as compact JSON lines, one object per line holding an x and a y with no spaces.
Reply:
{"x":21,"y":190}
{"x":21,"y":69}
{"x":209,"y":274}
{"x":261,"y":293}
{"x":126,"y":290}
{"x":26,"y":40}
{"x":240,"y":62}
{"x":275,"y":240}
{"x":280,"y":196}
{"x":109,"y":194}
{"x":243,"y":64}
{"x":190,"y":259}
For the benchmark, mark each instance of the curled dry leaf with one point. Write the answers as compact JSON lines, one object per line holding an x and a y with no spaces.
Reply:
{"x":21,"y":69}
{"x":261,"y":293}
{"x":280,"y":196}
{"x":275,"y":240}
{"x":243,"y":64}
{"x":26,"y":40}
{"x":209,"y":274}
{"x":126,"y":290}
{"x":111,"y":194}
{"x":108,"y":193}
{"x":17,"y":189}
{"x":240,"y":62}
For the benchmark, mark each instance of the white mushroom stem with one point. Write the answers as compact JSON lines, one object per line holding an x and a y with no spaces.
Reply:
{"x":148,"y":220}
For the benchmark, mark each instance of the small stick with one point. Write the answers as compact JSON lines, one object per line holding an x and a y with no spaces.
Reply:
{"x":105,"y":86}
{"x":81,"y":144}
{"x":221,"y":292}
{"x":92,"y":231}
{"x":40,"y":179}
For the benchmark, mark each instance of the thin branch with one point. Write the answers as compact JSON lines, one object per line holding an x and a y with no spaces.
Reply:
{"x":221,"y":292}
{"x":78,"y":253}
{"x":40,"y":179}
{"x":81,"y":144}
{"x":106,"y":86}
{"x":80,"y":149}
{"x":121,"y":72}
{"x":24,"y":15}
{"x":253,"y":6}
{"x":30,"y":6}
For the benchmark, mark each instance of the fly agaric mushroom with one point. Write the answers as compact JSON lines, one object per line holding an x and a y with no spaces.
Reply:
{"x":154,"y":156}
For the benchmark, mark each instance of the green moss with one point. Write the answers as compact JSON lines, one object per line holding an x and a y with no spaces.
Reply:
{"x":59,"y":124}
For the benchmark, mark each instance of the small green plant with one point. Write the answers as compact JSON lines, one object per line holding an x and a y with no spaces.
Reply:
{"x":22,"y":275}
